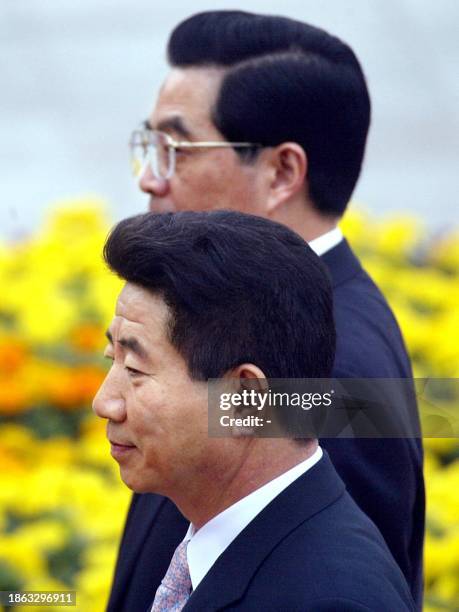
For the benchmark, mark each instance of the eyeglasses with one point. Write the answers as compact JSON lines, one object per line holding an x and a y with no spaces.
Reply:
{"x":159,"y":150}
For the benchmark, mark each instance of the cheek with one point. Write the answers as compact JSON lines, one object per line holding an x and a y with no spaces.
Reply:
{"x":208,"y":182}
{"x":144,"y":404}
{"x":237,"y":185}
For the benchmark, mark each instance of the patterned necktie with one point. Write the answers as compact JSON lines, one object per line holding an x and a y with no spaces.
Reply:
{"x":175,"y":587}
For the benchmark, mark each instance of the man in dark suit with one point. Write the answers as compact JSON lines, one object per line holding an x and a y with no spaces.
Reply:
{"x":270,"y":116}
{"x":271,"y":526}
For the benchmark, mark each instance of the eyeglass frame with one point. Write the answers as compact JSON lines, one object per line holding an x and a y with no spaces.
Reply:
{"x":174,"y":145}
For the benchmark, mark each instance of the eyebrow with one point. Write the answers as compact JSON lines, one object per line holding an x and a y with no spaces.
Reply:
{"x":174,"y":124}
{"x":131,"y":344}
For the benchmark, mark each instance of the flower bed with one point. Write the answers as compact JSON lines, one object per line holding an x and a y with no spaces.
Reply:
{"x":62,"y":504}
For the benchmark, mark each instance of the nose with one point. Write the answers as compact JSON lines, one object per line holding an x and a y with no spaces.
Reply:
{"x":152,"y":185}
{"x":109,"y":402}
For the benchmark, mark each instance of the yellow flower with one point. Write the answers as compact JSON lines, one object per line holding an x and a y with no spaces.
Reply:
{"x":22,"y":555}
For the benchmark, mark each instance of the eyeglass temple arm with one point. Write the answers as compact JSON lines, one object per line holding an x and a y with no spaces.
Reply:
{"x":211,"y":144}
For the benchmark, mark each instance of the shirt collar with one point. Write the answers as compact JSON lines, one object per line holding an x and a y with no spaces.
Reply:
{"x":207,"y":544}
{"x":327,"y":241}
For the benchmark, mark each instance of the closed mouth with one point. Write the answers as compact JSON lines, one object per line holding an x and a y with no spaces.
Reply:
{"x":120,"y":451}
{"x":120,"y":445}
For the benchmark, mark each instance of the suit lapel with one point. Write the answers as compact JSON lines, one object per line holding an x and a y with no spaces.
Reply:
{"x":231,"y":574}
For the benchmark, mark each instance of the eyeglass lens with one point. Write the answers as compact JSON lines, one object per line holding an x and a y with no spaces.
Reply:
{"x":151,"y":147}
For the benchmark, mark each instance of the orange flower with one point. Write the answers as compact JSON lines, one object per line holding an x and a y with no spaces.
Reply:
{"x":87,"y":337}
{"x":13,"y":354}
{"x":13,"y":397}
{"x":73,"y":387}
{"x":88,"y":380}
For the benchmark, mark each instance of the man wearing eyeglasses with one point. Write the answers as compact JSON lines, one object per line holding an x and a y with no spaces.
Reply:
{"x":270,"y":116}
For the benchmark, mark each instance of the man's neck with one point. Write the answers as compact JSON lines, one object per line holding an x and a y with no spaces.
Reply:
{"x":266,"y":460}
{"x":304,"y":219}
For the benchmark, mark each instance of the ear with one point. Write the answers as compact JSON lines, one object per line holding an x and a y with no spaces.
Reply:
{"x":288,"y":165}
{"x":249,"y":376}
{"x":244,"y":408}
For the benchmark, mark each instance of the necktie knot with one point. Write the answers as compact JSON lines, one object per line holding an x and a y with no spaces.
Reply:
{"x":175,"y":587}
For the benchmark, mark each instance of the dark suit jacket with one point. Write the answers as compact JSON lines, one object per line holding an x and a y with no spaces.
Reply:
{"x":383,"y":476}
{"x":310,"y":549}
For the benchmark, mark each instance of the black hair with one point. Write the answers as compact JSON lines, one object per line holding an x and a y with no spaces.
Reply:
{"x":285,"y":81}
{"x":240,"y":289}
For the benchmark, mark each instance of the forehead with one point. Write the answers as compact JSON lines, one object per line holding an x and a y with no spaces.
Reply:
{"x":188,"y":93}
{"x":141,"y":311}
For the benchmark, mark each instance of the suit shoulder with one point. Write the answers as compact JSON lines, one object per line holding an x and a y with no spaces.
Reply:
{"x":369,"y":340}
{"x":336,"y":556}
{"x":361,"y":294}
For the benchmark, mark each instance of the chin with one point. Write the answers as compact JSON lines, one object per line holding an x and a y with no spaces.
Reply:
{"x":138,"y":485}
{"x":133,"y":484}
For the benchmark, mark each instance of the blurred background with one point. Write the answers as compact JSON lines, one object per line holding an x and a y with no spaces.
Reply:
{"x":76,"y":79}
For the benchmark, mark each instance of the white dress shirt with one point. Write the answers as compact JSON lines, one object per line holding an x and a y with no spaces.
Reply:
{"x":327,"y":241}
{"x":208,"y":543}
